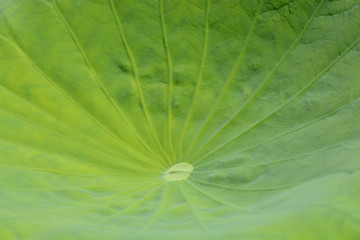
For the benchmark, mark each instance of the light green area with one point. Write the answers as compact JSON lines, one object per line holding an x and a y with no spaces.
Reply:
{"x":180,"y":171}
{"x":99,"y":99}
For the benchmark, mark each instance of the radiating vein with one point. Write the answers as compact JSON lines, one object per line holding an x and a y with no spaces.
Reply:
{"x":110,"y":151}
{"x":45,"y":76}
{"x":153,"y":215}
{"x":227,"y":82}
{"x":62,"y":188}
{"x":74,"y":174}
{"x":118,"y":196}
{"x":252,"y":96}
{"x":283,"y":160}
{"x":26,"y":57}
{"x":192,"y":207}
{"x":282,"y":134}
{"x":170,"y":80}
{"x":137,"y":80}
{"x":305,"y":154}
{"x":85,"y":161}
{"x":198,"y":81}
{"x":218,"y":201}
{"x":100,"y":83}
{"x":135,"y":202}
{"x":116,"y":157}
{"x":222,"y":186}
{"x":302,"y":90}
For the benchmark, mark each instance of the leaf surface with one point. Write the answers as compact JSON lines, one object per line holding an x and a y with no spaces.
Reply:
{"x":256,"y":101}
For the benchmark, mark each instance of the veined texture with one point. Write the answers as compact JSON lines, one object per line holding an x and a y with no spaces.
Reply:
{"x":179,"y":119}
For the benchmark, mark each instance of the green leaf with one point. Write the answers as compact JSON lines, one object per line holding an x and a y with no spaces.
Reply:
{"x":179,"y":119}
